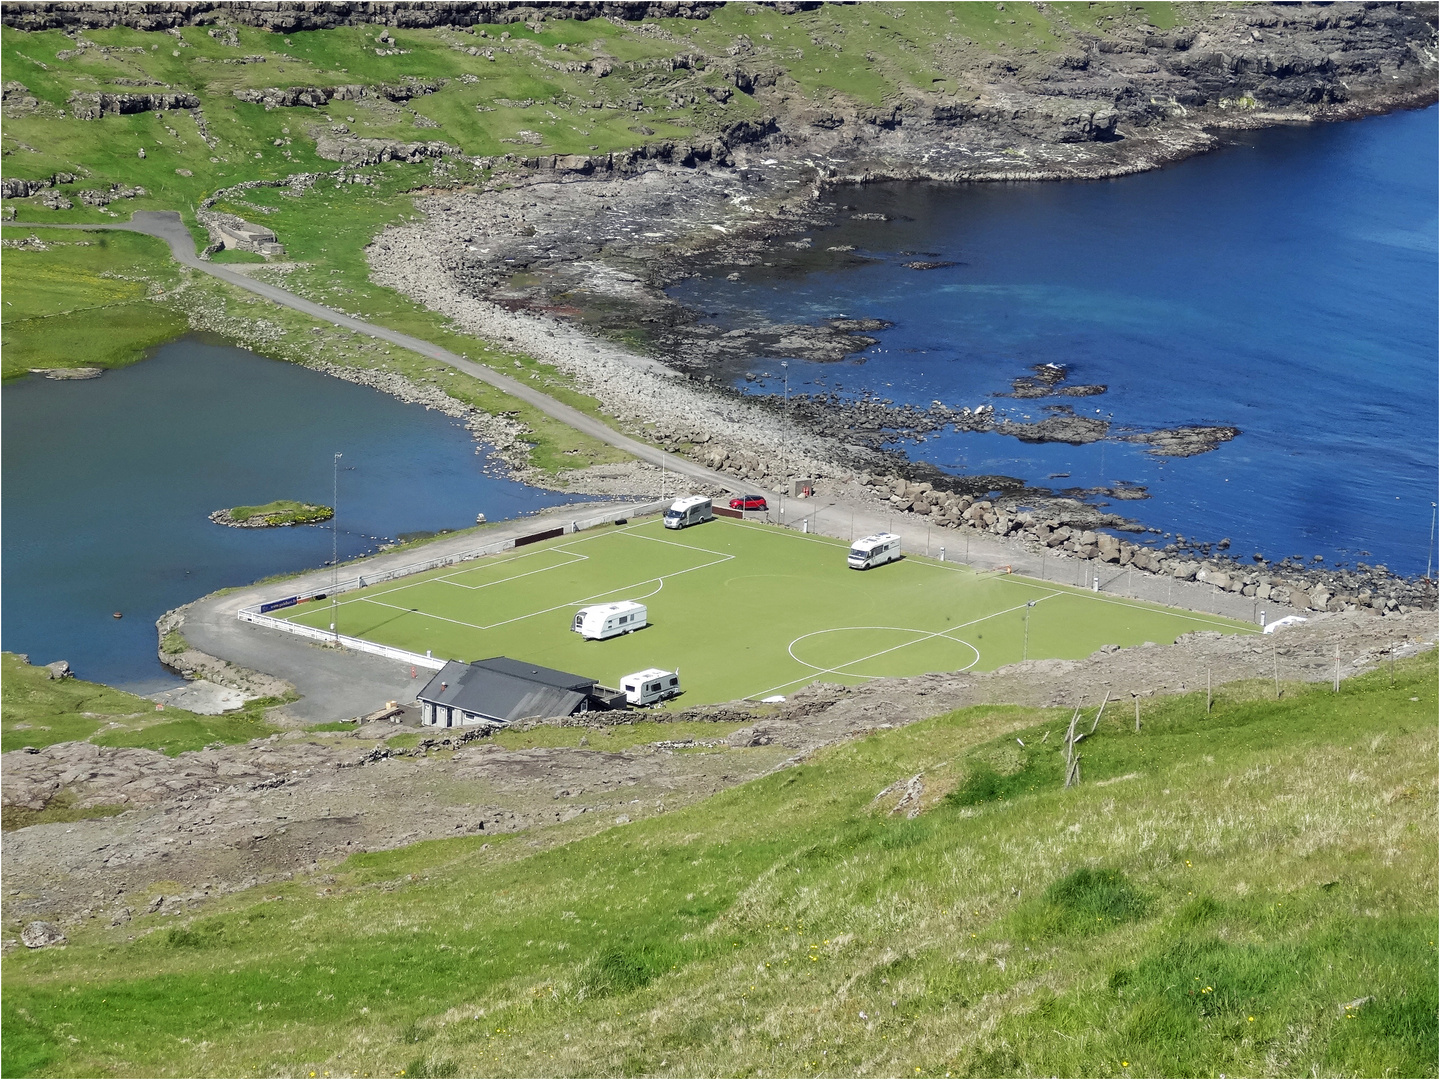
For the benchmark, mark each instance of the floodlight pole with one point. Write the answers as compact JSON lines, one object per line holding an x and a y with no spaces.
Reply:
{"x":1025,"y":649}
{"x":334,"y":540}
{"x":1431,"y":546}
{"x":785,"y":431}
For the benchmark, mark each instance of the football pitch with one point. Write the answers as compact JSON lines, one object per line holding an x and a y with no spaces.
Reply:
{"x":742,"y":609}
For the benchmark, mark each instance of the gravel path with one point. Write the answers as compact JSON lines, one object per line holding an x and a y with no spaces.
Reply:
{"x":168,"y":226}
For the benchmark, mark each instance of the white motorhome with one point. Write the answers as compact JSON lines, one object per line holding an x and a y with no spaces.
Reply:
{"x":691,"y":510}
{"x":601,"y":621}
{"x":874,"y":550}
{"x":649,"y":686}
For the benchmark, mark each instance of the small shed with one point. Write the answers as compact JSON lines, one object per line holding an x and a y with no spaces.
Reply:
{"x":501,"y":690}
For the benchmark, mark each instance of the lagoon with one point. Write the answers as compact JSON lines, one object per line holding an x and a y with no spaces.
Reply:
{"x":108,"y":484}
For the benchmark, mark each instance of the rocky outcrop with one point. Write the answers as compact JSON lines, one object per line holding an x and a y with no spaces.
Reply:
{"x":316,"y":97}
{"x":41,"y":935}
{"x":354,"y":151}
{"x":15,"y":188}
{"x":92,"y":105}
{"x":194,"y":664}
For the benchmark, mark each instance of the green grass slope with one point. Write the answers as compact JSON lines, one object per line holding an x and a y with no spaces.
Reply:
{"x":37,"y":711}
{"x":549,"y":86}
{"x":1250,"y":892}
{"x":92,"y":299}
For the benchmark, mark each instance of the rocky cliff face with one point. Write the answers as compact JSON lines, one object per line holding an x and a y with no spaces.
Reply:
{"x":289,"y":16}
{"x":1133,"y":98}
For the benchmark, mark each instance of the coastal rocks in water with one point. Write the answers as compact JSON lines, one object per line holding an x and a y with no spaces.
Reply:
{"x":1048,"y":380}
{"x":272,"y":515}
{"x":1064,"y":426}
{"x":705,"y":347}
{"x":41,"y":935}
{"x":69,"y":374}
{"x":1183,"y":441}
{"x":924,"y":264}
{"x":859,"y":326}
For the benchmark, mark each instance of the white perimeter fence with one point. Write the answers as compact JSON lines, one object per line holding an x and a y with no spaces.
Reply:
{"x":257,"y":613}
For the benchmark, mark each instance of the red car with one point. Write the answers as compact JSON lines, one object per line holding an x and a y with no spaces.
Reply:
{"x":748,"y":502}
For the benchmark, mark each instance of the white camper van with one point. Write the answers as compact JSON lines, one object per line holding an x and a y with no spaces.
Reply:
{"x":649,"y":686}
{"x":601,"y":621}
{"x":691,"y":510}
{"x":874,"y":550}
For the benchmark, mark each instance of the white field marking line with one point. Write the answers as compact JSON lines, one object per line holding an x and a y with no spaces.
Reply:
{"x":447,"y":579}
{"x":861,"y":660}
{"x":1156,"y":609}
{"x":500,"y":558}
{"x":620,"y":589}
{"x":924,"y":635}
{"x":442,"y":578}
{"x":1019,"y":579}
{"x":723,"y":558}
{"x":371,"y":597}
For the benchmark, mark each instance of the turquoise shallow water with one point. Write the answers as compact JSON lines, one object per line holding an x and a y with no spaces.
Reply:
{"x":1285,"y":285}
{"x":108,"y":484}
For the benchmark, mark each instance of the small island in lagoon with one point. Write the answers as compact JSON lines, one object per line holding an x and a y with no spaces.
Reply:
{"x":273,"y":515}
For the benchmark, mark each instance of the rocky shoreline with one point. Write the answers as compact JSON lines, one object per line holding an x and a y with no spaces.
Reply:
{"x":568,"y":257}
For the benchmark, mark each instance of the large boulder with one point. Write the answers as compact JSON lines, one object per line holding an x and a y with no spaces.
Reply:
{"x":41,"y":935}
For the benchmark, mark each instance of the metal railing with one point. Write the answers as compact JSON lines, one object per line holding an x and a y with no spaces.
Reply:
{"x":431,"y":663}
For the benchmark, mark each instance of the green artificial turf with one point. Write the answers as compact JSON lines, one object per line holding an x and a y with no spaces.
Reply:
{"x":742,"y":610}
{"x":1248,"y":892}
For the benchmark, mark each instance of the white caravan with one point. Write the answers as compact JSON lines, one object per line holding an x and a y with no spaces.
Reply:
{"x":601,"y":621}
{"x":689,"y":511}
{"x":649,"y":686}
{"x":874,"y":550}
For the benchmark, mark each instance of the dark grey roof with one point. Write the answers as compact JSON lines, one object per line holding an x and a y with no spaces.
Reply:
{"x":535,"y":673}
{"x":500,"y":695}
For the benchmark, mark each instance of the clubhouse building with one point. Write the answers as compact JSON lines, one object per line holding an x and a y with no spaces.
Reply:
{"x":499,"y":691}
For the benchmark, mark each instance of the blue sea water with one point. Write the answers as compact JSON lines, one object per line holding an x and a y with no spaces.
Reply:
{"x":108,"y":484}
{"x":1285,"y":285}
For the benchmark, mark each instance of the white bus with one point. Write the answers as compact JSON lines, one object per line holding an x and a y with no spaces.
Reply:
{"x":601,"y":621}
{"x":649,"y":686}
{"x":691,"y":510}
{"x":874,"y":550}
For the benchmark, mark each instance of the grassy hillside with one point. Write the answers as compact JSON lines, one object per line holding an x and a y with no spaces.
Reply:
{"x":39,"y":712}
{"x":1249,"y":892}
{"x":76,"y":300}
{"x":549,"y":86}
